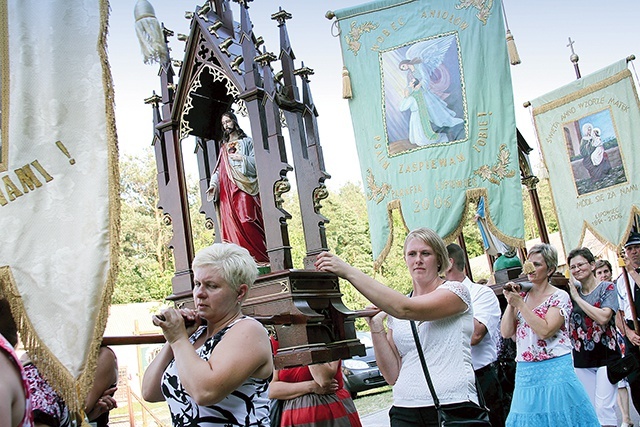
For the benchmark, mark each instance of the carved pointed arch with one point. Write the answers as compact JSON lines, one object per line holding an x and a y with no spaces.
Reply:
{"x":209,"y":87}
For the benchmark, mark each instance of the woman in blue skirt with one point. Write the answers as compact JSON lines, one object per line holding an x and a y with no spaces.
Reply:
{"x":547,"y":391}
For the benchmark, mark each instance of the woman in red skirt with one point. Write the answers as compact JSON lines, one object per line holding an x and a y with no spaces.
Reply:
{"x":314,"y":396}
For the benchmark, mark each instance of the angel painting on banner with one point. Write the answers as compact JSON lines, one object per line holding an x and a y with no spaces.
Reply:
{"x":423,"y":95}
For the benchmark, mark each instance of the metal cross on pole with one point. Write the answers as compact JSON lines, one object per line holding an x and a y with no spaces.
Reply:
{"x":574,"y":58}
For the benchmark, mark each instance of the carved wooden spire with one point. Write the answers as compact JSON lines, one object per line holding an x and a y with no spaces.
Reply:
{"x":222,"y":9}
{"x":311,"y":125}
{"x":305,"y":147}
{"x":289,"y":89}
{"x":277,"y":159}
{"x":252,"y":78}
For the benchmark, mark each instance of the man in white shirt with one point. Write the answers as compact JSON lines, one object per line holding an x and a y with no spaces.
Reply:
{"x":632,"y":337}
{"x":486,"y":333}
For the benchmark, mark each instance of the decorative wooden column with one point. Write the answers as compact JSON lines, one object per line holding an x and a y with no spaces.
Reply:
{"x":305,"y":146}
{"x":172,"y":188}
{"x":271,"y":158}
{"x":530,"y":181}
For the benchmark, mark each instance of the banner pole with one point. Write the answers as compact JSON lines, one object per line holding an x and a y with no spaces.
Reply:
{"x":627,"y":284}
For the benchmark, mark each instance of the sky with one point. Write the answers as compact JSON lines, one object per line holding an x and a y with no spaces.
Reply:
{"x":603,"y":32}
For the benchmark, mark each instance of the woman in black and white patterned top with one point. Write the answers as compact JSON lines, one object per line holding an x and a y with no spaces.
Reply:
{"x":215,"y":373}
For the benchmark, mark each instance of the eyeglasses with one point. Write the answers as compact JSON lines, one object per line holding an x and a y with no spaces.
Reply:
{"x":578,"y":265}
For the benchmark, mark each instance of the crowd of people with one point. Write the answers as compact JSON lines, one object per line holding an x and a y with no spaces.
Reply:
{"x":217,"y":365}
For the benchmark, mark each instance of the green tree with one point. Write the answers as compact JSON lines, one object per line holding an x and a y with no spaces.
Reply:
{"x":348,"y":236}
{"x":146,"y":265}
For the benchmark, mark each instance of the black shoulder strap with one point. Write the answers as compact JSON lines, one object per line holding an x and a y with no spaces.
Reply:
{"x":414,"y":330}
{"x":436,"y":401}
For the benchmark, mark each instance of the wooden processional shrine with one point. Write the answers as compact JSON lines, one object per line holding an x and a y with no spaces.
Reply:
{"x":225,"y":65}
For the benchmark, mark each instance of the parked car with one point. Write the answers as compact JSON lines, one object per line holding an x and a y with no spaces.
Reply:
{"x":361,"y":372}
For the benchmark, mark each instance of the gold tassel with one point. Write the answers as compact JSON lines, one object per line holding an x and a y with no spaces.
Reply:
{"x":514,"y":58}
{"x":150,"y":34}
{"x":346,"y":84}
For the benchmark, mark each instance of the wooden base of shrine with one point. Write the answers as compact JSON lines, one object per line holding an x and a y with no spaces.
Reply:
{"x":304,"y":309}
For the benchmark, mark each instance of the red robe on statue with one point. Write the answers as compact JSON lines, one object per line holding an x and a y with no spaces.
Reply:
{"x":239,"y":211}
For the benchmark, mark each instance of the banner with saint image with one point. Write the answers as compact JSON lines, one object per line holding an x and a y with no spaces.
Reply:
{"x":587,"y":131}
{"x":59,"y":198}
{"x":432,"y":112}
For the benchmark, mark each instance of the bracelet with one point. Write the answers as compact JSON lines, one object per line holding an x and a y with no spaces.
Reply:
{"x":379,"y":332}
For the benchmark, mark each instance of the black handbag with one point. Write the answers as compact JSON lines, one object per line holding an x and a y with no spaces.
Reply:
{"x":621,"y":368}
{"x":454,"y":414}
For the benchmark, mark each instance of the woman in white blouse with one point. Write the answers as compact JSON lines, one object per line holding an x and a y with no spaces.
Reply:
{"x":547,"y":390}
{"x":444,"y":319}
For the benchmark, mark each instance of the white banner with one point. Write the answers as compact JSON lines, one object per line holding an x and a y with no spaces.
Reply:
{"x":59,"y":201}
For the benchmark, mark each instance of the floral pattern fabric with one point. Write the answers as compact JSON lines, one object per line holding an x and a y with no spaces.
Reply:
{"x":594,"y":344}
{"x":532,"y":348}
{"x":48,"y":406}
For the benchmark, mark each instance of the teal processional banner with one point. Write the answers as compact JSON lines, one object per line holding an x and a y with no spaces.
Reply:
{"x":433,"y":117}
{"x":587,"y":131}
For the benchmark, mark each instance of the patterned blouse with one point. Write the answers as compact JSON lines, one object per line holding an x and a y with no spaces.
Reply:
{"x":48,"y":406}
{"x":248,"y":405}
{"x":532,"y":348}
{"x":595,"y":345}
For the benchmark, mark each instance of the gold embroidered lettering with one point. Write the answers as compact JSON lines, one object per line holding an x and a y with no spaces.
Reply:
{"x":12,"y":191}
{"x":27,"y":178}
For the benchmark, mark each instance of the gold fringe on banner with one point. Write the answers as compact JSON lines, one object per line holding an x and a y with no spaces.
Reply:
{"x":56,"y":374}
{"x":394,"y":204}
{"x":4,"y":87}
{"x":86,"y":379}
{"x":451,"y":237}
{"x":582,"y":92}
{"x":508,"y":240}
{"x":346,"y":84}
